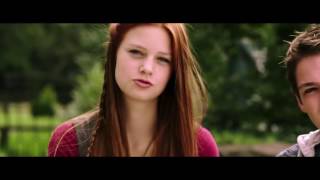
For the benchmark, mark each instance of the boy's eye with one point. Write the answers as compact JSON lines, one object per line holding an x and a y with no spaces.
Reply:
{"x":309,"y":90}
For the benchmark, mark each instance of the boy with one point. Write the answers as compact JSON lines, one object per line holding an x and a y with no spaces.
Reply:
{"x":303,"y":70}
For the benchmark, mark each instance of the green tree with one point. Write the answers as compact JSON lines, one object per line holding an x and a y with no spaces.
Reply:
{"x":33,"y":55}
{"x":244,"y":93}
{"x":86,"y":94}
{"x":45,"y":103}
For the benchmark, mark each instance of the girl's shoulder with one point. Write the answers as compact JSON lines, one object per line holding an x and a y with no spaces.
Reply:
{"x":64,"y":138}
{"x":207,"y":145}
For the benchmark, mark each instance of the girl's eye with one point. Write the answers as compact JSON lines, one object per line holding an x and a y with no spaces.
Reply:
{"x":164,"y":60}
{"x":309,"y":90}
{"x":136,"y":53}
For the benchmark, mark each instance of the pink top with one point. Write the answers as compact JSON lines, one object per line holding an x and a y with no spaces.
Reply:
{"x":68,"y":147}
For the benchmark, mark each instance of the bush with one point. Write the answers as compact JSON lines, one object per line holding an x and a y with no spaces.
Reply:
{"x":45,"y":103}
{"x":87,"y":91}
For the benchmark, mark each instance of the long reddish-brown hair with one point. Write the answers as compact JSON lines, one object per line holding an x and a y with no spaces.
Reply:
{"x":181,"y":105}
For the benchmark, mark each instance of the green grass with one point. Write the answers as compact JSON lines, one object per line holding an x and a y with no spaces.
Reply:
{"x":28,"y":144}
{"x":228,"y":137}
{"x":20,"y":115}
{"x":2,"y":153}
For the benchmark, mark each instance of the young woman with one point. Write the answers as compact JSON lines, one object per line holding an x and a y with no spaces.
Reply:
{"x":152,"y":103}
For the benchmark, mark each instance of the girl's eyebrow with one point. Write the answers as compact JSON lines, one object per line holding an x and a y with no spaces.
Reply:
{"x":137,"y":46}
{"x":165,"y":54}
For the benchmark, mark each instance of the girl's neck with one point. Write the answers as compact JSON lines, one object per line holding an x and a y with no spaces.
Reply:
{"x":140,"y":115}
{"x":140,"y":123}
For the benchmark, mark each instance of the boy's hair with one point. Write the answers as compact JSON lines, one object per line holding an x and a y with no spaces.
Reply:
{"x":305,"y":44}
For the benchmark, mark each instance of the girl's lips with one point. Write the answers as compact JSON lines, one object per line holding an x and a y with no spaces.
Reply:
{"x":142,"y":83}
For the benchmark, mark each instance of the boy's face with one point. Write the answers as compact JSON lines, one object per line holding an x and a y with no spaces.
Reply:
{"x":308,"y":83}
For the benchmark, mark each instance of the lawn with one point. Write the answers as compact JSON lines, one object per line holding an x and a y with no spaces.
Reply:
{"x":238,"y":137}
{"x":26,"y":143}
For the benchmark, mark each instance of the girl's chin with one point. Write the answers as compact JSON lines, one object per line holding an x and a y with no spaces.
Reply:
{"x":142,"y":97}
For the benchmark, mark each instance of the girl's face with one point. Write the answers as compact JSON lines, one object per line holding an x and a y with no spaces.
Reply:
{"x":143,"y":64}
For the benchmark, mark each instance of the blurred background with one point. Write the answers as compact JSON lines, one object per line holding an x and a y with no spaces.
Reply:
{"x":52,"y":72}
